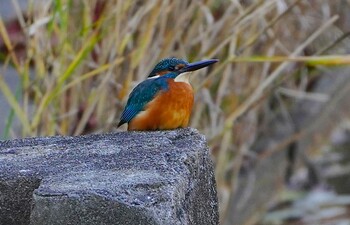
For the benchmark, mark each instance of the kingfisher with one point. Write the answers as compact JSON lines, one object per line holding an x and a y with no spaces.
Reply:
{"x":164,"y":100}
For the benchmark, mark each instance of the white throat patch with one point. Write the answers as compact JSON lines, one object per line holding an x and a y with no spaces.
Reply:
{"x":183,"y":77}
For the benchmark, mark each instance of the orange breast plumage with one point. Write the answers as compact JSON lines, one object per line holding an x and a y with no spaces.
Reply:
{"x":170,"y":109}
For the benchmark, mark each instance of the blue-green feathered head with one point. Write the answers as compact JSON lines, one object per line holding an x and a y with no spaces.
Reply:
{"x":168,"y":65}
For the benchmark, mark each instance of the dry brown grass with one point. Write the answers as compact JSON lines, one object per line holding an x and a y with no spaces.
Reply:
{"x":86,"y":56}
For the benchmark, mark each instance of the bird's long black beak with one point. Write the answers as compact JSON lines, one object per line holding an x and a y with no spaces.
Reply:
{"x":198,"y":65}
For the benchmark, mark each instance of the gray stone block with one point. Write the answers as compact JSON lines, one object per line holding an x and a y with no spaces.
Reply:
{"x":120,"y":178}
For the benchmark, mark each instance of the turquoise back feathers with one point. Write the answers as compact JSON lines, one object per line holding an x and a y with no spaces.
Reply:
{"x":142,"y":94}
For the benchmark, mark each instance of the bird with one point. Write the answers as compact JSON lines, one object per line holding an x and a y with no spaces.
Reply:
{"x":164,"y":100}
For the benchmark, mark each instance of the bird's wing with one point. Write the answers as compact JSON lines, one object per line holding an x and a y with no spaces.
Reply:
{"x":142,"y":94}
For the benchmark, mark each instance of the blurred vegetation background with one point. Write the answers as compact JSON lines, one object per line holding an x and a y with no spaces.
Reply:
{"x":272,"y":109}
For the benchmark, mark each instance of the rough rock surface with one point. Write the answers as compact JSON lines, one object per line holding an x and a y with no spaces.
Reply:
{"x":119,"y":178}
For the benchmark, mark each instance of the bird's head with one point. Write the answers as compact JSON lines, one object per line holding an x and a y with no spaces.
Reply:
{"x":178,"y":66}
{"x":167,"y":65}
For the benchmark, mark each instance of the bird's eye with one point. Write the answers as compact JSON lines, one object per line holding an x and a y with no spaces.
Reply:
{"x":171,"y":68}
